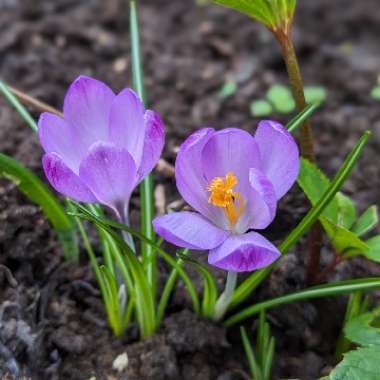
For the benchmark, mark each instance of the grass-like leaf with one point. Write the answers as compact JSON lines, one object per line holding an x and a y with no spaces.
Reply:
{"x":40,"y":194}
{"x":146,"y":186}
{"x":301,"y":117}
{"x":333,"y":289}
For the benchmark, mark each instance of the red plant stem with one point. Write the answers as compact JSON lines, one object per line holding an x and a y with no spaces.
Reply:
{"x":325,"y":272}
{"x":306,"y":141}
{"x":296,"y":84}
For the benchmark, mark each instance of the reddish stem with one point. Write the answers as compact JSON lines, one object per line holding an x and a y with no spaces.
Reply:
{"x":330,"y":267}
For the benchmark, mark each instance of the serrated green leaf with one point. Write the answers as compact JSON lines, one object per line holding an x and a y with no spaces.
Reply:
{"x":40,"y":194}
{"x":346,"y":211}
{"x":281,"y":98}
{"x":367,"y":221}
{"x":361,"y":364}
{"x":261,"y":108}
{"x":343,"y":240}
{"x":374,"y":249}
{"x":314,"y":183}
{"x":360,"y":331}
{"x":315,"y":94}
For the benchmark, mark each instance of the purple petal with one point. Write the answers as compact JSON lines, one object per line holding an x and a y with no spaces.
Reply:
{"x":189,"y":230}
{"x":110,"y":173}
{"x":64,"y":180}
{"x":262,"y":203}
{"x":127,"y":126}
{"x":56,"y":137}
{"x":190,"y":179}
{"x":244,"y":253}
{"x":279,"y":155}
{"x":153,"y":144}
{"x":87,"y":108}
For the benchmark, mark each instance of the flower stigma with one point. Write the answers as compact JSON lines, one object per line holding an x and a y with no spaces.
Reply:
{"x":222,"y":195}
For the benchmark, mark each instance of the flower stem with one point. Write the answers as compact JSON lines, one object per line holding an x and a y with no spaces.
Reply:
{"x":224,"y":300}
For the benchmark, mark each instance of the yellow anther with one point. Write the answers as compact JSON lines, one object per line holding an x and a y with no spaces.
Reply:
{"x":222,"y":195}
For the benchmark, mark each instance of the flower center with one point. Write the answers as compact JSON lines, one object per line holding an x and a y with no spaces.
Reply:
{"x":223,"y":195}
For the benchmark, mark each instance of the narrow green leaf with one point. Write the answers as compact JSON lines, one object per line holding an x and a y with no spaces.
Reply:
{"x":328,"y":290}
{"x":367,"y":221}
{"x":361,"y":364}
{"x":343,"y":240}
{"x":18,"y":106}
{"x":249,"y":352}
{"x":359,"y":330}
{"x":109,"y":225}
{"x":40,"y":194}
{"x":146,"y":186}
{"x":210,"y":293}
{"x":301,"y":117}
{"x":168,"y":288}
{"x":261,"y":108}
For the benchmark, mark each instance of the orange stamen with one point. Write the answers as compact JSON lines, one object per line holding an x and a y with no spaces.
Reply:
{"x":222,"y":195}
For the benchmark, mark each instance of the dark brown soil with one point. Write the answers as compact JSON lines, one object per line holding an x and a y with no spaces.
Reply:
{"x":52,"y":324}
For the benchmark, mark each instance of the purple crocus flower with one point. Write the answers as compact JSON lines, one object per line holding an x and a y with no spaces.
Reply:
{"x":233,"y":182}
{"x":103,"y":147}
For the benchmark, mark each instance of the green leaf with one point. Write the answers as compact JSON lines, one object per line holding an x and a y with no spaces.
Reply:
{"x":110,"y":225}
{"x":346,"y":211}
{"x":281,"y":98}
{"x":228,"y":89}
{"x":361,"y":364}
{"x":272,"y":13}
{"x":261,"y":108}
{"x":331,"y":289}
{"x":374,"y":249}
{"x":360,"y":331}
{"x":301,"y":117}
{"x":314,"y":183}
{"x":260,"y":10}
{"x":315,"y":94}
{"x":250,"y":354}
{"x":375,"y":93}
{"x":367,"y":221}
{"x":146,"y":186}
{"x":40,"y":194}
{"x":343,"y":240}
{"x":210,"y":293}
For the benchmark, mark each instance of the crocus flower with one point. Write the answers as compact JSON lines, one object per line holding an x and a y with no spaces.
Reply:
{"x":103,"y":147}
{"x":233,"y":182}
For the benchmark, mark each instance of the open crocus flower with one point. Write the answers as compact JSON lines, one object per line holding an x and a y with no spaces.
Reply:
{"x":103,"y":147}
{"x":233,"y":181}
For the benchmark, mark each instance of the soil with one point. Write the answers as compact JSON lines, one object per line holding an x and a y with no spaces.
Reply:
{"x":52,"y":325}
